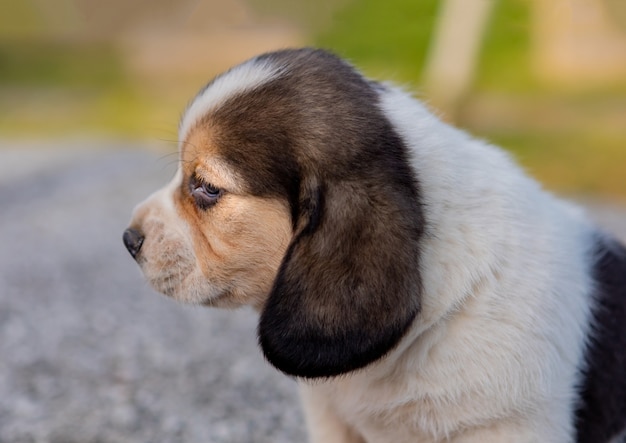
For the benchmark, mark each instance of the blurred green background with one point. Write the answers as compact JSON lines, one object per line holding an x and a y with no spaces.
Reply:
{"x":546,"y":79}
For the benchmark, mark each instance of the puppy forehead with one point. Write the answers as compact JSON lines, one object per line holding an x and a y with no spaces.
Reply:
{"x":283,"y":116}
{"x":245,"y":77}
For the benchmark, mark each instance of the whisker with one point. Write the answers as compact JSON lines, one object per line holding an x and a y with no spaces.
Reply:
{"x":166,"y":156}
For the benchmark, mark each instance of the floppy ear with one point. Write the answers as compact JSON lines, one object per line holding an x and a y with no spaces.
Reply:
{"x":348,"y":287}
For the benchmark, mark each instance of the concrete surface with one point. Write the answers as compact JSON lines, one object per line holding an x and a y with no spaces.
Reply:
{"x":88,"y":353}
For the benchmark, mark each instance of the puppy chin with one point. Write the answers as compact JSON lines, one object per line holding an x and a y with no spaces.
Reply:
{"x":225,"y":300}
{"x":182,"y":285}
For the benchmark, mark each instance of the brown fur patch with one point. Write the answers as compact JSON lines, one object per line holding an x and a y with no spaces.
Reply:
{"x":313,"y":137}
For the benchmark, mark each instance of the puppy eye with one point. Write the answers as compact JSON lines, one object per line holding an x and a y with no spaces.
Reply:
{"x":205,"y":194}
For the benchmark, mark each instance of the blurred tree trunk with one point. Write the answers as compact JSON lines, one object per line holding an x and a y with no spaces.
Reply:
{"x":454,"y":51}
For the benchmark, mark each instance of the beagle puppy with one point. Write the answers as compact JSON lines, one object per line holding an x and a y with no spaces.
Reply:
{"x":417,"y":283}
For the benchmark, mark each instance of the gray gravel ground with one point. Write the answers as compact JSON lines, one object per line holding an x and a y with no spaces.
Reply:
{"x":88,"y":353}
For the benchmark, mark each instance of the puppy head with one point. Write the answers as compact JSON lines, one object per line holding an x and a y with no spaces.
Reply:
{"x":294,"y":195}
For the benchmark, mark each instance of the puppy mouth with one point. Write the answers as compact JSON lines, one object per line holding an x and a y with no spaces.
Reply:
{"x":179,"y":284}
{"x":168,"y":283}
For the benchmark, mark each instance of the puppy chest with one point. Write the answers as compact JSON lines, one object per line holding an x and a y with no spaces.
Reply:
{"x":393,"y":413}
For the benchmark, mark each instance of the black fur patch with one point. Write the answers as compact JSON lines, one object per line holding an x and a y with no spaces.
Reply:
{"x":349,"y":285}
{"x":602,"y":412}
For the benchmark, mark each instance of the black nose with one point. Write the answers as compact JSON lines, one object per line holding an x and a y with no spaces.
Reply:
{"x":133,"y":239}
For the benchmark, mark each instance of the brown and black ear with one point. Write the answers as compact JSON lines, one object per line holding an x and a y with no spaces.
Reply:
{"x":348,"y":288}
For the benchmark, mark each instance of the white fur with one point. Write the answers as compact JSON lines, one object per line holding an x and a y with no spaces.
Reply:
{"x":241,"y":78}
{"x":494,"y":355}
